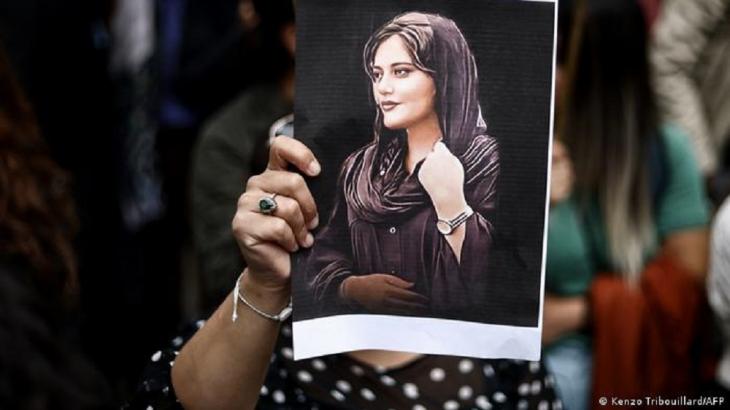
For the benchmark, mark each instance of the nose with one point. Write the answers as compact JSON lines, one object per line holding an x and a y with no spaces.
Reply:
{"x":384,"y":86}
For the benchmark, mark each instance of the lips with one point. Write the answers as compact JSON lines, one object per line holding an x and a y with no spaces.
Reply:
{"x":388,"y":105}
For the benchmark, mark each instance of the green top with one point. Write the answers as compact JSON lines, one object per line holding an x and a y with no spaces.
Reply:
{"x":573,"y":256}
{"x":231,"y":147}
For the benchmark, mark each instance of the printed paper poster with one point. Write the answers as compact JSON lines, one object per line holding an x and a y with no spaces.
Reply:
{"x":432,"y":121}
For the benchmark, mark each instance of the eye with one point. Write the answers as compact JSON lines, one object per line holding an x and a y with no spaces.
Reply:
{"x":401,"y":72}
{"x":376,"y":75}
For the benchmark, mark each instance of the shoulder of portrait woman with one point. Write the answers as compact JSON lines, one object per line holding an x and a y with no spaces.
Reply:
{"x":357,"y":157}
{"x":483,"y":144}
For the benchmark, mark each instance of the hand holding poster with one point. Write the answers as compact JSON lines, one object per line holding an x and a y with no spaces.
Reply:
{"x":434,"y":143}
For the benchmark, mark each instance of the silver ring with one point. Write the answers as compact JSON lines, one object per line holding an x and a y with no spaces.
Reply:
{"x":268,"y":205}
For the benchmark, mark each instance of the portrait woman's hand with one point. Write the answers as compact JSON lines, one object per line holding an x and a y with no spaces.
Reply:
{"x":266,"y":241}
{"x":383,"y":293}
{"x":442,"y":176}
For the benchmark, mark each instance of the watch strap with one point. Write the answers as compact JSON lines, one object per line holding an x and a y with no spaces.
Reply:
{"x":457,"y":220}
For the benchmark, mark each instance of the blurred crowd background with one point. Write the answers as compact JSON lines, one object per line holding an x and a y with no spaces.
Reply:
{"x":128,"y":129}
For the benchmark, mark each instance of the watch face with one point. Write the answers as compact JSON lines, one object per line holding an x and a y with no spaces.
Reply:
{"x":443,"y":227}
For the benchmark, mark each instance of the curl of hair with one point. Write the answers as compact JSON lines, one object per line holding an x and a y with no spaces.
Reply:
{"x":609,"y":124}
{"x":37,"y":215}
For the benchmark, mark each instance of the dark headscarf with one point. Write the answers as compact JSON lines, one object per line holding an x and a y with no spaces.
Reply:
{"x":376,"y":184}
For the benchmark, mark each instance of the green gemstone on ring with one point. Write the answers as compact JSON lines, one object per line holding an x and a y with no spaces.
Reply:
{"x":267,"y":205}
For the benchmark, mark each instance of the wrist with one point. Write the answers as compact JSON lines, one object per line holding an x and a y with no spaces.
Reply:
{"x":267,"y":296}
{"x":345,"y":292}
{"x":452,"y":208}
{"x":576,"y":313}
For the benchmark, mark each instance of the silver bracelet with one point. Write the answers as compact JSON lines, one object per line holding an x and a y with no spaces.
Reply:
{"x":280,"y":317}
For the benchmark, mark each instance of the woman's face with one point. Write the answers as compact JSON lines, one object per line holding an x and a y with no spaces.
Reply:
{"x":404,"y":93}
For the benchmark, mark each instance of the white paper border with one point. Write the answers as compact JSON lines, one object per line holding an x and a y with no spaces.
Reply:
{"x":337,"y":334}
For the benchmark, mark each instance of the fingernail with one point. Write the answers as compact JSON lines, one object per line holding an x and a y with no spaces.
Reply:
{"x":308,"y":241}
{"x":296,"y":248}
{"x":314,"y":222}
{"x":314,"y":168}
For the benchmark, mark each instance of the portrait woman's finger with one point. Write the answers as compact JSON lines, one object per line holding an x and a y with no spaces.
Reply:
{"x":286,"y":150}
{"x":400,"y":306}
{"x":288,"y":184}
{"x":407,"y":296}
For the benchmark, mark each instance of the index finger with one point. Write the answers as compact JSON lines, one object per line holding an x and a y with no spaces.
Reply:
{"x":286,"y":150}
{"x":396,"y":281}
{"x":409,"y":296}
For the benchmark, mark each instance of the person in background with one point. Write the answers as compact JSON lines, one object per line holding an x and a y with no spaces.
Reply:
{"x":40,"y":361}
{"x":232,"y":147}
{"x":690,"y":56}
{"x":222,"y":51}
{"x":630,"y":203}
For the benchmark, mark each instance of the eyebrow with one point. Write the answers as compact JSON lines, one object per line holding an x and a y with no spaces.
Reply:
{"x":394,"y":64}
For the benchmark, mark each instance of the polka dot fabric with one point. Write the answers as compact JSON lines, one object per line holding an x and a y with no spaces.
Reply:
{"x":340,"y":382}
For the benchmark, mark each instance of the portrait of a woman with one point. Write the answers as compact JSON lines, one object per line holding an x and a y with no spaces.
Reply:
{"x":412,"y":225}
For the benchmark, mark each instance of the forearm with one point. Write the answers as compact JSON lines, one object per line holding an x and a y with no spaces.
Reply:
{"x":223,"y":366}
{"x":562,"y":315}
{"x":572,"y":313}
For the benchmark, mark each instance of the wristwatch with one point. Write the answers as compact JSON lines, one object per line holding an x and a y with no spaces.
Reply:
{"x":447,"y":227}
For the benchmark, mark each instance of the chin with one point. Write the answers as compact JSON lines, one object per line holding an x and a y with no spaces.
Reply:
{"x":394,"y":124}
